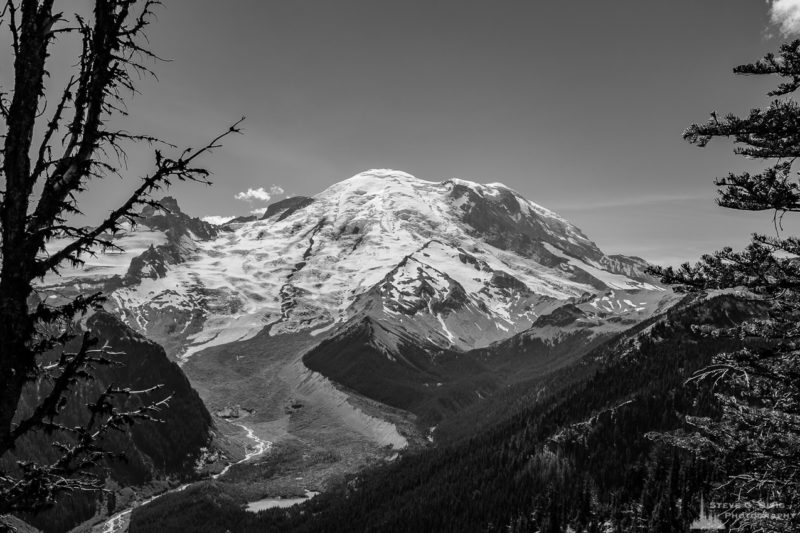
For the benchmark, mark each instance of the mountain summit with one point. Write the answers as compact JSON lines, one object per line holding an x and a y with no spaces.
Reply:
{"x":455,"y":264}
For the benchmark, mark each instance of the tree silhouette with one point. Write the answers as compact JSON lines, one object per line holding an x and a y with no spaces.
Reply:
{"x":47,"y":161}
{"x":758,"y":430}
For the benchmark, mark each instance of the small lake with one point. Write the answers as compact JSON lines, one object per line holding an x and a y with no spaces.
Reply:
{"x":269,"y":503}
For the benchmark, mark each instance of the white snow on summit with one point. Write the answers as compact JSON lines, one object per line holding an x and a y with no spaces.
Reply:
{"x":306,"y":268}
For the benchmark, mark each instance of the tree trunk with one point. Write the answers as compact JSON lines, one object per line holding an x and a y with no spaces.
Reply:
{"x":16,"y":360}
{"x":16,"y":327}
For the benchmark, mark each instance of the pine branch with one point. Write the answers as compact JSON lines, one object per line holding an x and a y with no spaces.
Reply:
{"x":786,"y":64}
{"x":37,"y":486}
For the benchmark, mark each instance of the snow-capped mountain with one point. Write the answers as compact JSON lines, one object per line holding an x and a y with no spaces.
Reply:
{"x":453,"y":264}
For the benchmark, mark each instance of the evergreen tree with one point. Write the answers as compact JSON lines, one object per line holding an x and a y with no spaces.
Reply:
{"x":757,"y":430}
{"x":48,"y":156}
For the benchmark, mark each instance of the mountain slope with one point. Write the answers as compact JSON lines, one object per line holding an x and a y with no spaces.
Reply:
{"x":374,"y":361}
{"x":151,"y":450}
{"x":577,"y":458}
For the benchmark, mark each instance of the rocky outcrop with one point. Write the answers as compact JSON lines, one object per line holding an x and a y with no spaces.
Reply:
{"x":182,"y":232}
{"x":286,"y":207}
{"x":170,"y":219}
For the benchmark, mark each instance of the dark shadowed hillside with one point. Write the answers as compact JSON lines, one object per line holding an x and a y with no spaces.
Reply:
{"x":149,"y":450}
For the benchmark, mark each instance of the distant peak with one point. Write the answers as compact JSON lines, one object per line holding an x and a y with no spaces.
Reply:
{"x":168,"y":205}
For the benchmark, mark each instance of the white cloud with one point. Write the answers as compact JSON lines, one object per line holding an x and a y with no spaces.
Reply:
{"x":254,"y":194}
{"x":260,"y":211}
{"x":785,"y":14}
{"x":217,"y":220}
{"x":260,"y":194}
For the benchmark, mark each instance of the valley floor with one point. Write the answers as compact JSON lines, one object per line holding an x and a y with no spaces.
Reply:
{"x":318,"y":431}
{"x":253,"y":446}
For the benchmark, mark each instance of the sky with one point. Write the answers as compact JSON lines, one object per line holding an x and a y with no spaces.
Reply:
{"x":578,"y":105}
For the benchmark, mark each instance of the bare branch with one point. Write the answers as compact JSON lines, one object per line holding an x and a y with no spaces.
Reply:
{"x":167,"y":169}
